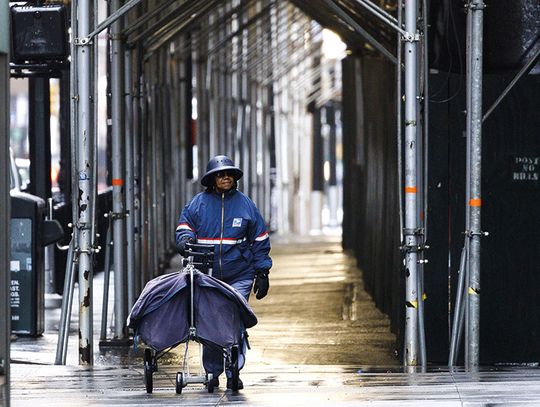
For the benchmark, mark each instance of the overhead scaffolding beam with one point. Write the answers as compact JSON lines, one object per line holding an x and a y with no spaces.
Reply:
{"x":226,"y":18}
{"x":382,"y":15}
{"x":176,"y":29}
{"x":147,"y":17}
{"x":174,"y":18}
{"x":119,"y":13}
{"x":523,"y":71}
{"x":200,"y":30}
{"x":289,"y":47}
{"x":351,"y":22}
{"x":240,"y":29}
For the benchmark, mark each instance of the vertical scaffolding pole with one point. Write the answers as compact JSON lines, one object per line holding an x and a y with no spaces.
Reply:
{"x":142,"y":129}
{"x":474,"y":135}
{"x":82,"y":50}
{"x":67,"y":304}
{"x":39,"y":133}
{"x":466,"y":249}
{"x":5,"y":273}
{"x":411,"y":179}
{"x":423,"y":85}
{"x":136,"y":157}
{"x":130,"y":188}
{"x":399,"y":114}
{"x":153,"y":170}
{"x":118,"y":172}
{"x":187,"y":116}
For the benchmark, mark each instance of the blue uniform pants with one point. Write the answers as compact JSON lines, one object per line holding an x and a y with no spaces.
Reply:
{"x":212,"y":358}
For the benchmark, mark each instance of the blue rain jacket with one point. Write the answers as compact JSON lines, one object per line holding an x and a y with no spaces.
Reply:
{"x":231,"y":222}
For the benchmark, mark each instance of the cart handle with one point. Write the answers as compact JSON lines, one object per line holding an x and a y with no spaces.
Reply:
{"x":209,"y":256}
{"x":203,"y":253}
{"x":199,"y":248}
{"x":199,"y":264}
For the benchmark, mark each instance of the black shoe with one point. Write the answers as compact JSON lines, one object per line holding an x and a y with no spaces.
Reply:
{"x":240,"y":384}
{"x":215,"y":382}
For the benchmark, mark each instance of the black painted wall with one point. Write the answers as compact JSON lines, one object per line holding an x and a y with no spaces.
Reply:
{"x":371,"y":221}
{"x":510,"y":259}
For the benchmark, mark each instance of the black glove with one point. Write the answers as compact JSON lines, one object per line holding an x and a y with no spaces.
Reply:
{"x":261,"y":285}
{"x":181,"y":246}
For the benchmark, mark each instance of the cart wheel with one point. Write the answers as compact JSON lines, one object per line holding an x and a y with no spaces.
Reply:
{"x":234,"y":368}
{"x":148,"y":370}
{"x":179,"y":382}
{"x":210,"y":382}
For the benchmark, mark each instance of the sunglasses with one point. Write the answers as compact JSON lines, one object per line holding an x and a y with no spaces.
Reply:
{"x":222,"y":174}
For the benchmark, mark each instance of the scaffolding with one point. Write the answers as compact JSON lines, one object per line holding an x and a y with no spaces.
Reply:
{"x":193,"y":79}
{"x":168,"y":41}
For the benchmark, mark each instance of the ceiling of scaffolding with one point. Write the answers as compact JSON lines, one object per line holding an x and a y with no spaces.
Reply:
{"x":353,"y":20}
{"x":282,"y":33}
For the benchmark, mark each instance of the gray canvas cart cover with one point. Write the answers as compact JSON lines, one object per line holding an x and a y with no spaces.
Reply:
{"x":161,"y":315}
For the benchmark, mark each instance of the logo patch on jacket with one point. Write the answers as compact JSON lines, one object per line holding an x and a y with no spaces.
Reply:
{"x":237,"y":223}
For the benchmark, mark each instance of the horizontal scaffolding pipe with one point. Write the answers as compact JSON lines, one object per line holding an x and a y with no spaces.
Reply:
{"x":112,"y":18}
{"x":254,"y":47}
{"x":147,"y":17}
{"x":226,"y":18}
{"x":286,"y":47}
{"x":382,"y":15}
{"x":199,"y":32}
{"x":278,"y":48}
{"x":179,"y":27}
{"x":159,"y":26}
{"x":523,"y":71}
{"x":369,"y":38}
{"x":240,"y":29}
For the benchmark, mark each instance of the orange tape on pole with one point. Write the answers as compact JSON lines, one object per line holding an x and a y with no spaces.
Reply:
{"x":410,"y":190}
{"x":117,"y":182}
{"x":475,"y":202}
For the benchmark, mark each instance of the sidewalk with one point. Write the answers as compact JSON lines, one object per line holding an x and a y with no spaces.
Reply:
{"x":320,"y":341}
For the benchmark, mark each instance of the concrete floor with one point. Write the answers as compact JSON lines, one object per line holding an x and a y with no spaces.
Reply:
{"x":320,"y":341}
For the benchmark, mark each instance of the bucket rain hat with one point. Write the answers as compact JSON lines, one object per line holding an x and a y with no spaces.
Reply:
{"x":217,"y":164}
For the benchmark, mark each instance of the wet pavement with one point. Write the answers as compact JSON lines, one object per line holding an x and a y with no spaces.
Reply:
{"x":319,"y":341}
